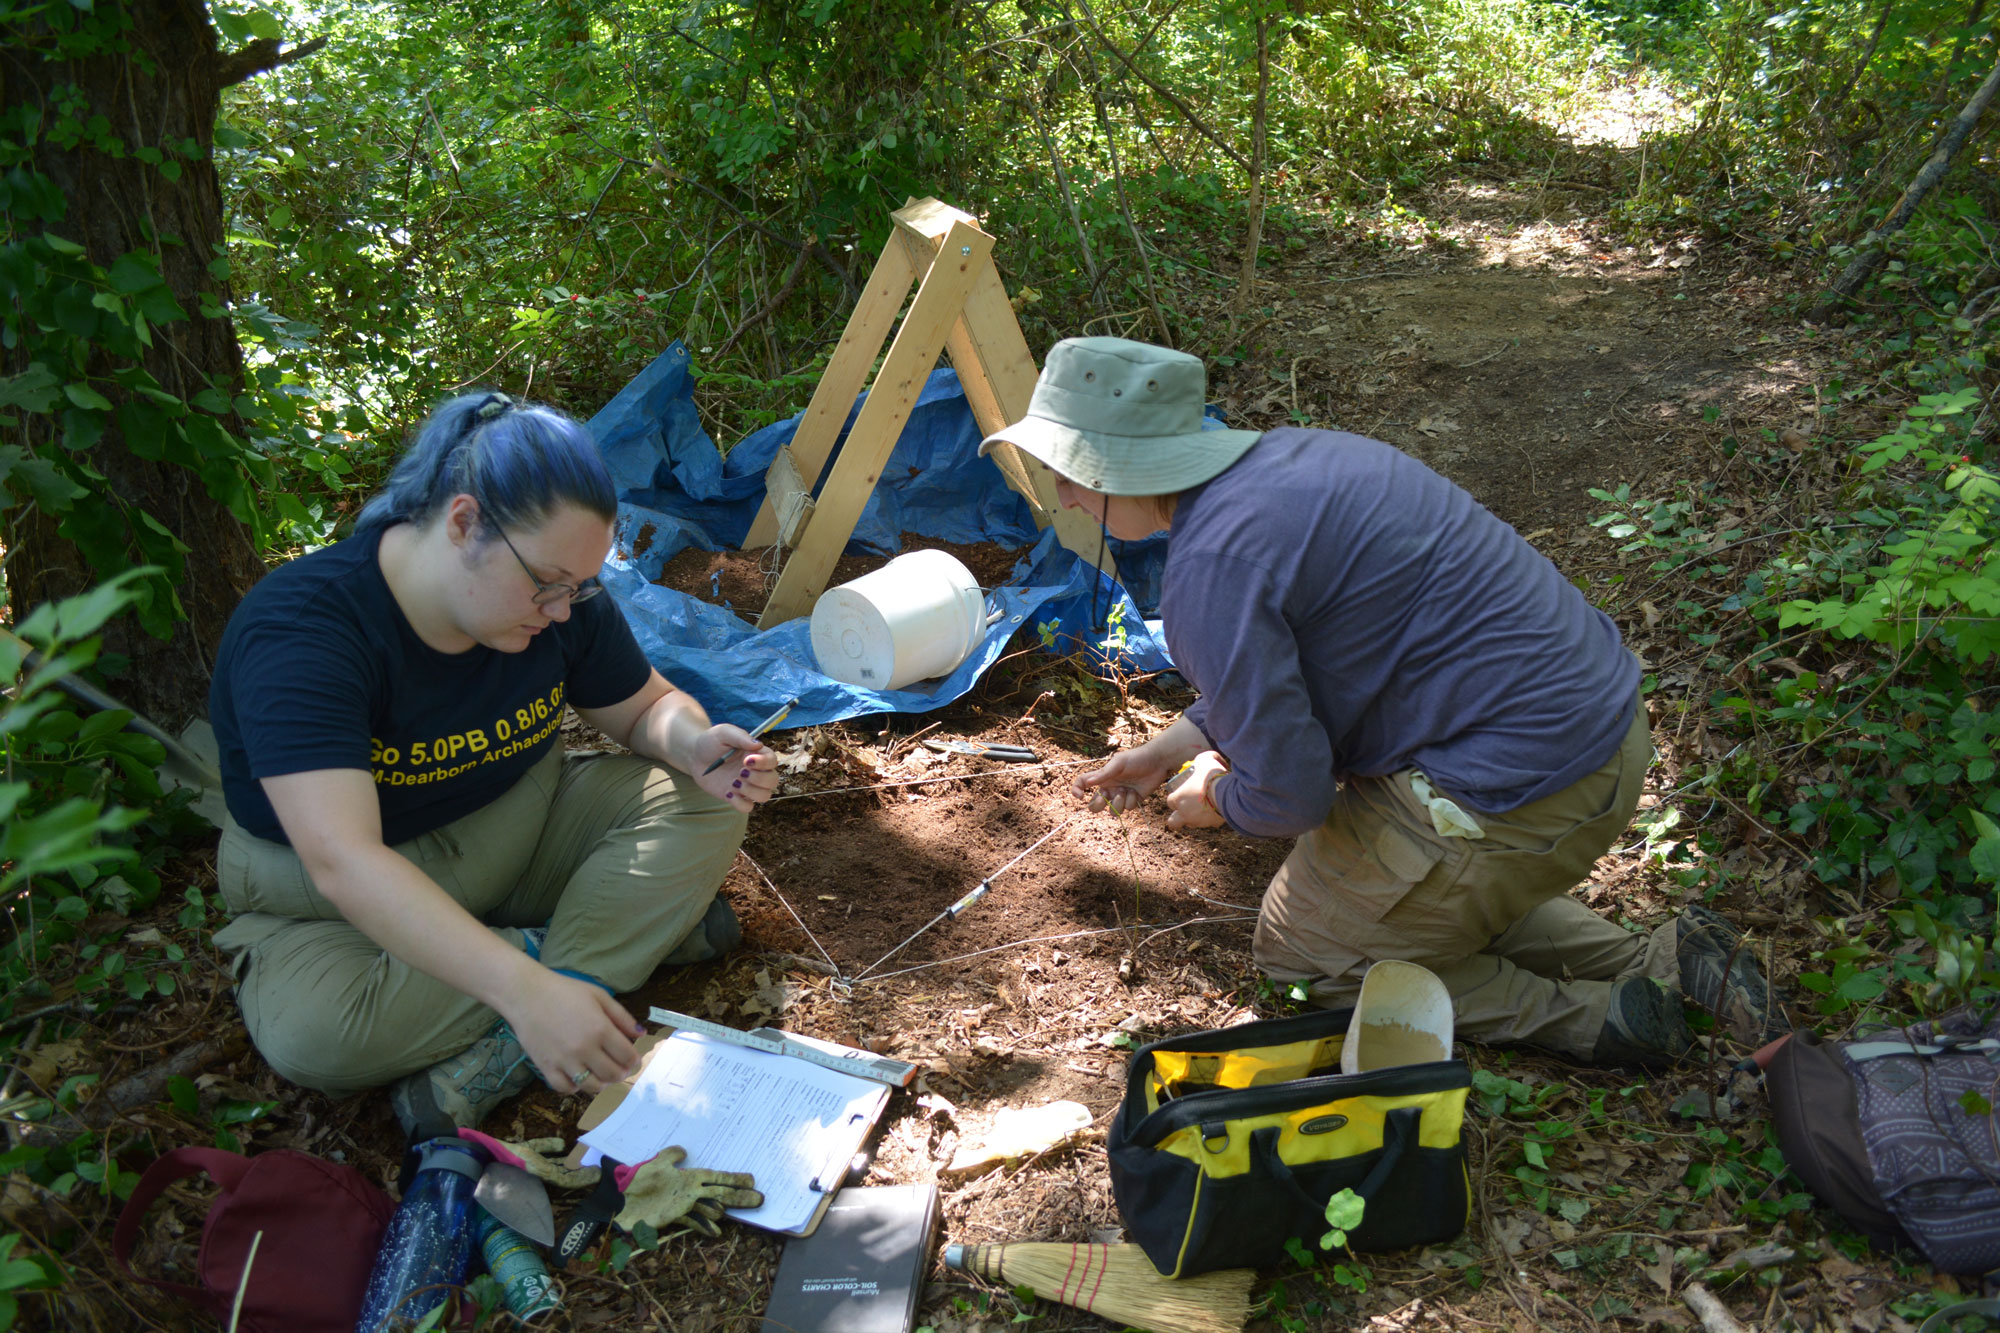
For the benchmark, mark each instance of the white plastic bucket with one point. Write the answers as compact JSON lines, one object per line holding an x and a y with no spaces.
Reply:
{"x":917,"y":617}
{"x":1402,"y":1018}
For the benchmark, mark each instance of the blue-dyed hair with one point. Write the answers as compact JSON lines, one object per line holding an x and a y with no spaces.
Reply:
{"x":519,"y":460}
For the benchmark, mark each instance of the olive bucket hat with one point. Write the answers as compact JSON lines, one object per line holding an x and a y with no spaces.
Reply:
{"x":1123,"y":418}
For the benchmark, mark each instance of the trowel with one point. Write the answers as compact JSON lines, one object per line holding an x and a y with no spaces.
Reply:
{"x":518,"y":1200}
{"x":507,"y":1190}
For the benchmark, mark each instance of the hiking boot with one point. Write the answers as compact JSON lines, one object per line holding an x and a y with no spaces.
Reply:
{"x":1645,"y":1026}
{"x":1719,"y":973}
{"x":714,"y":935}
{"x":459,"y":1091}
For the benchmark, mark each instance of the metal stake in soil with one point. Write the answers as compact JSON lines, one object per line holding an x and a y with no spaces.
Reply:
{"x":969,"y":899}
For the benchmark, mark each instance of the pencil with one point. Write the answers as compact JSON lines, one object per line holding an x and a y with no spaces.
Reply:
{"x":755,"y":732}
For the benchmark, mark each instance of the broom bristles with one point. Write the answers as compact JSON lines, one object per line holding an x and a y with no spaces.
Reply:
{"x":1119,"y":1283}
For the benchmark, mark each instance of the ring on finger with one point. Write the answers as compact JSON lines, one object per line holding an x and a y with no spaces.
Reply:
{"x":578,"y":1077}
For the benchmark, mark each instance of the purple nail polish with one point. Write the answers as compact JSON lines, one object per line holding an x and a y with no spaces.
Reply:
{"x":744,"y":774}
{"x":737,"y":783}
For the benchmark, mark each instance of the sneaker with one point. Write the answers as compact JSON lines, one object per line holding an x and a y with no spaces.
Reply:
{"x":1645,"y":1026}
{"x":459,"y":1092}
{"x":714,"y":935}
{"x":1719,"y":973}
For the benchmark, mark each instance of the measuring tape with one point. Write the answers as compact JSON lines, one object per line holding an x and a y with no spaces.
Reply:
{"x":848,"y":1060}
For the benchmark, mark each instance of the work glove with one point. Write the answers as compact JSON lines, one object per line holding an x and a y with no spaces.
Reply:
{"x":540,"y":1158}
{"x":663,"y":1193}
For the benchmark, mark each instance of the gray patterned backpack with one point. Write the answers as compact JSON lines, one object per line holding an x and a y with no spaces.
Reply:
{"x":1898,"y":1133}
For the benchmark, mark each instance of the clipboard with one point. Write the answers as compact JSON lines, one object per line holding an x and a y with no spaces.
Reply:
{"x":794,"y":1124}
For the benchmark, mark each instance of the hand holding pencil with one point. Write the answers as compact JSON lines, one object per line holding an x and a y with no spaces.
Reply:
{"x":755,"y":733}
{"x":758,"y":777}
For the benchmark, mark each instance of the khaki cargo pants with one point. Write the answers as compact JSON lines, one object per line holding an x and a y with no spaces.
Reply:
{"x":616,"y":855}
{"x":1491,"y":916}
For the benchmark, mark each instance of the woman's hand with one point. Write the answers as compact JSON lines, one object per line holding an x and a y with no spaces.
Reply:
{"x":578,"y":1036}
{"x":665,"y":723}
{"x":749,"y":772}
{"x":1188,"y":804}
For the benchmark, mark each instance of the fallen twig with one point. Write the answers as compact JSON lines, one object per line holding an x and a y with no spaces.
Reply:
{"x":1714,"y":1315}
{"x":803,"y":963}
{"x":145,"y":1087}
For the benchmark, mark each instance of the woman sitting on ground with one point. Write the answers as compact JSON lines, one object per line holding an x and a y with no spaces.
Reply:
{"x":429,"y":891}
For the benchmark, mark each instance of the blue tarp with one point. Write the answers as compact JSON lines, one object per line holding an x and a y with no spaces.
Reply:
{"x":676,"y":488}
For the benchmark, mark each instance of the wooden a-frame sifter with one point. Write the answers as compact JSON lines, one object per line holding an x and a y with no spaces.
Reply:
{"x":961,"y":306}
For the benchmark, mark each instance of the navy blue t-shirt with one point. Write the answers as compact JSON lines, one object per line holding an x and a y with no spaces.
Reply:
{"x":319,"y":668}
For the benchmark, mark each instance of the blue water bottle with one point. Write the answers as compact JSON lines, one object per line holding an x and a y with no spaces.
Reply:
{"x":428,"y":1247}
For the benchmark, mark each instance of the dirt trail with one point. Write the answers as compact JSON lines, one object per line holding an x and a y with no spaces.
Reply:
{"x":1527,"y":358}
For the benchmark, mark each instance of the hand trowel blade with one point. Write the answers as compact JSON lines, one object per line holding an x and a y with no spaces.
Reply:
{"x":518,"y":1200}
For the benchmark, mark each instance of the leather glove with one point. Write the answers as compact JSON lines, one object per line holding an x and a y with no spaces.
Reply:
{"x":663,"y":1194}
{"x":540,"y":1158}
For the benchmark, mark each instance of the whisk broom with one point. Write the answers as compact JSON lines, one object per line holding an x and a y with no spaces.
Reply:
{"x":1115,"y":1281}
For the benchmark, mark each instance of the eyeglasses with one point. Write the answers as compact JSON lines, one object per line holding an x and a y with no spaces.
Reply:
{"x":549,"y":593}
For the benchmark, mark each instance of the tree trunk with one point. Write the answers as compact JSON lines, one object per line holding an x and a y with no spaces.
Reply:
{"x":159,"y":89}
{"x":1869,"y":255}
{"x":1246,"y":284}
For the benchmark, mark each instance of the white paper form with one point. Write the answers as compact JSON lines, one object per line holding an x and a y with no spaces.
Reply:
{"x":733,"y":1108}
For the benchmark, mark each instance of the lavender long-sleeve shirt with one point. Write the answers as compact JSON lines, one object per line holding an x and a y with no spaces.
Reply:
{"x":1347,"y":612}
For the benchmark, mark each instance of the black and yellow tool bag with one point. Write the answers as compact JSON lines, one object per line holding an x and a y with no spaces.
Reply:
{"x":1231,"y":1142}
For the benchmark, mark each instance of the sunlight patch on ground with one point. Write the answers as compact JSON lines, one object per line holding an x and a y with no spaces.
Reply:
{"x":1509,"y":224}
{"x":1536,"y":243}
{"x":1625,"y":114}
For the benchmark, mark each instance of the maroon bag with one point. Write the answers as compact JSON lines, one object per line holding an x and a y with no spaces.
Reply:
{"x":322,"y":1224}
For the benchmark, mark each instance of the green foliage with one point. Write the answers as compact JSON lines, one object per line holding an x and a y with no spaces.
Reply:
{"x":20,"y":1275}
{"x":79,"y":334}
{"x":1499,"y":1095}
{"x":547,"y":196}
{"x":85,"y":819}
{"x":1860,"y":651}
{"x":1343,"y":1214}
{"x":1925,"y":807}
{"x":1546,"y":1121}
{"x":1344,"y":1211}
{"x":89,"y":338}
{"x":585,"y":187}
{"x":1115,"y":634}
{"x":1747,"y":1167}
{"x":1936,"y":584}
{"x":74,"y":1169}
{"x":1796,"y":126}
{"x":222,"y":1116}
{"x":1287,"y":997}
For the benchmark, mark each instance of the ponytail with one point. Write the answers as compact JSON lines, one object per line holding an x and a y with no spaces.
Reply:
{"x":518,"y":460}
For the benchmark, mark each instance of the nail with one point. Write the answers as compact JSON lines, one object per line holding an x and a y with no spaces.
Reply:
{"x":737,"y":783}
{"x":744,"y":774}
